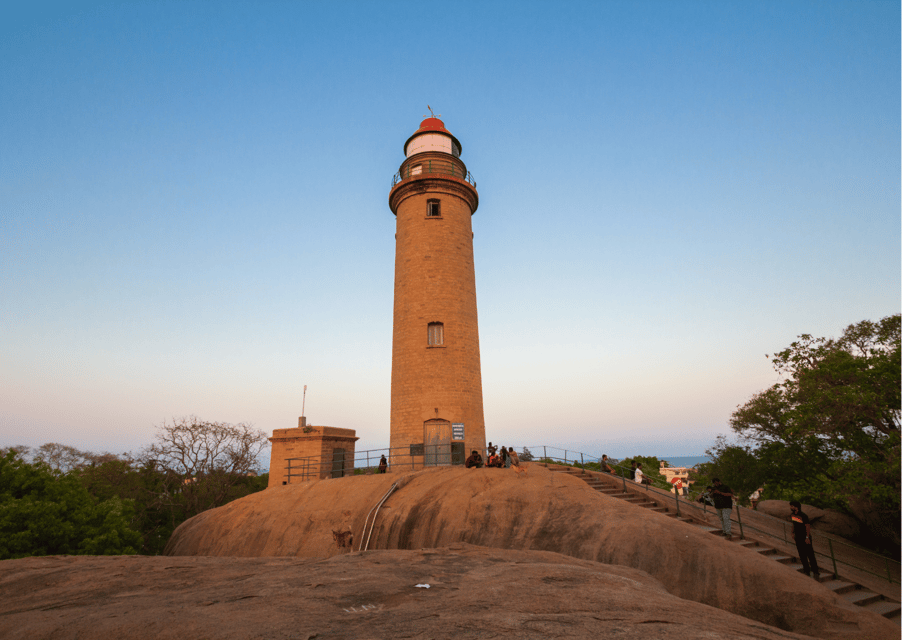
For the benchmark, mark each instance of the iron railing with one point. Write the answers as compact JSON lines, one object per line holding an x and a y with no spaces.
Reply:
{"x":831,"y":548}
{"x":432,"y":166}
{"x":409,"y":458}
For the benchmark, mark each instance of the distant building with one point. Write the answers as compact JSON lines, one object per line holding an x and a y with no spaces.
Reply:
{"x":680,"y":474}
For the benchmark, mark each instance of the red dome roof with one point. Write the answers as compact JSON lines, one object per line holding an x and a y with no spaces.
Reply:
{"x":431,"y":125}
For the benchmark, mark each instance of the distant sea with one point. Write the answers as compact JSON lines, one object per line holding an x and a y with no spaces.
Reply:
{"x":684,"y":461}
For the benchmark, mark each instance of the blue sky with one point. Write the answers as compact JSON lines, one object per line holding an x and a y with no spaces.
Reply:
{"x":194,"y":218}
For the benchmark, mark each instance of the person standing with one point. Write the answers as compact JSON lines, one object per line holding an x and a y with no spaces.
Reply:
{"x":505,"y":459}
{"x":723,"y":502}
{"x":633,"y":471}
{"x":801,"y":534}
{"x":383,"y":465}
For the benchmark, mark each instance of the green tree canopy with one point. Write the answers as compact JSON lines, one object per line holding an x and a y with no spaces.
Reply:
{"x":832,"y":425}
{"x":43,"y":512}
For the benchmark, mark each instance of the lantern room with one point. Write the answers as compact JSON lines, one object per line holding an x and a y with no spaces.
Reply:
{"x":432,"y":136}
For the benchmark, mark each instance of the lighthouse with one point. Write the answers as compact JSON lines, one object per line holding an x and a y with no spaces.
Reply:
{"x":436,"y":380}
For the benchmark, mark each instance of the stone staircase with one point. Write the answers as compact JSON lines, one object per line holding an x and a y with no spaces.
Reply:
{"x":854,"y":593}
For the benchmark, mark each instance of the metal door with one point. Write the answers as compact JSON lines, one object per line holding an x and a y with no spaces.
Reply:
{"x":457,"y":453}
{"x":338,"y":463}
{"x":437,"y":443}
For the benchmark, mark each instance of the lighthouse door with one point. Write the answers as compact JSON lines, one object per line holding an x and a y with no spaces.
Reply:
{"x":437,"y":441}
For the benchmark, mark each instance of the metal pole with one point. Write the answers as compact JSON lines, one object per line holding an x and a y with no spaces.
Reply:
{"x":677,"y":497}
{"x":304,"y":401}
{"x":739,"y":516}
{"x":545,"y":452}
{"x":784,"y":533}
{"x":832,"y":557}
{"x":582,"y":460}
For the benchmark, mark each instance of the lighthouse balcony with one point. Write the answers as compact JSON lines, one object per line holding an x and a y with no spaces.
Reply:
{"x":415,"y":168}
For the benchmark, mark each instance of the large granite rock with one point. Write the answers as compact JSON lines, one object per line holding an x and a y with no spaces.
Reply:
{"x":543,"y":511}
{"x":473,"y":592}
{"x":827,"y":520}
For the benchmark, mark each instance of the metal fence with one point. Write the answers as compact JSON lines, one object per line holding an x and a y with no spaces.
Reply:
{"x":409,"y":458}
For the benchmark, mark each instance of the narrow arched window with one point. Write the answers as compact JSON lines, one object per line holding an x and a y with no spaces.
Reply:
{"x":436,"y":334}
{"x":433,"y":208}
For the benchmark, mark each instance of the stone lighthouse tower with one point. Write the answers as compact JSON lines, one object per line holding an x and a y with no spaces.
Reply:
{"x":436,"y":380}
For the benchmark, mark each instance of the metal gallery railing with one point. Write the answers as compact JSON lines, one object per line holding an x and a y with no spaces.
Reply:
{"x":432,"y":166}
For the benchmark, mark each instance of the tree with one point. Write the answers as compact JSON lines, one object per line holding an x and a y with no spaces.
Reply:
{"x":43,"y":512}
{"x":837,"y":410}
{"x":202,"y":463}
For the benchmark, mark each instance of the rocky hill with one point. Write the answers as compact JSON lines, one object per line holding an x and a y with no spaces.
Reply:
{"x":494,"y":508}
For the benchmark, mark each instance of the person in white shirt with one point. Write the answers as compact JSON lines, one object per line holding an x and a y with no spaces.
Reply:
{"x":640,"y":477}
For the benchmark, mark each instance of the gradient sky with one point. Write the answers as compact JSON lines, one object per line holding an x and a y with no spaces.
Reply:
{"x":194,"y":217}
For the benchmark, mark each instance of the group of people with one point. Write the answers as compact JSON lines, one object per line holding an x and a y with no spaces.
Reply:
{"x":720,"y":496}
{"x":635,"y":471}
{"x":505,"y":459}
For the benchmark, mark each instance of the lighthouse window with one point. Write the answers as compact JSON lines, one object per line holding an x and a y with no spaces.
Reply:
{"x":436,"y":334}
{"x":433,"y":208}
{"x":415,"y":170}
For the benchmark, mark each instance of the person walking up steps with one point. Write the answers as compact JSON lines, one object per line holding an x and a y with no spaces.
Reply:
{"x":723,"y":502}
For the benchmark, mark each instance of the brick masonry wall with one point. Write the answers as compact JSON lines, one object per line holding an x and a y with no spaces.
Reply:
{"x":318,"y":443}
{"x":435,"y":281}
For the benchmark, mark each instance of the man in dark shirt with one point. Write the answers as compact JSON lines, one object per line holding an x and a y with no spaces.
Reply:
{"x":633,"y":471}
{"x":723,"y":502}
{"x":475,"y":460}
{"x":801,"y":533}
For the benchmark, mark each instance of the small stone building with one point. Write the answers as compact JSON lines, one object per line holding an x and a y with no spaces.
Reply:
{"x":310,"y":453}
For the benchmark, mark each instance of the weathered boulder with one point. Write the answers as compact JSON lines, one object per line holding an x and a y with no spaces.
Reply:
{"x":839,"y":524}
{"x":473,"y":592}
{"x":780,"y":509}
{"x":826,"y":520}
{"x":543,"y":511}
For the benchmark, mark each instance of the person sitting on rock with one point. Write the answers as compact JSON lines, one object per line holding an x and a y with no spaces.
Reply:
{"x":755,"y":498}
{"x":475,"y":460}
{"x":639,"y":476}
{"x":604,"y":464}
{"x":514,"y":458}
{"x":494,"y":461}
